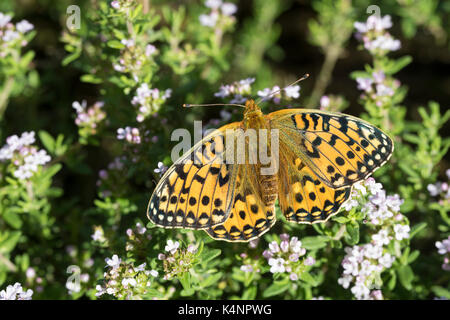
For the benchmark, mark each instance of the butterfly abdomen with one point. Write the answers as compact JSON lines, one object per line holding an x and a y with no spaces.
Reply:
{"x":269,"y":185}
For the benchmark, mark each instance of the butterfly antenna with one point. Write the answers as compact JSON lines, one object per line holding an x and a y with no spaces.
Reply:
{"x":188,"y":105}
{"x":306,"y":76}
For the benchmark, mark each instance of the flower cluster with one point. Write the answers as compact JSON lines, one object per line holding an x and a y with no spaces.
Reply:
{"x":444,"y":249}
{"x":132,"y":135}
{"x":374,"y":35}
{"x":276,"y":93}
{"x":379,"y":208}
{"x":364,"y":264}
{"x":237,"y":89}
{"x":99,"y":235}
{"x":221,"y":15}
{"x":176,"y":260}
{"x":88,"y":119}
{"x":15,"y":292}
{"x":148,"y":101}
{"x":378,"y":88}
{"x":441,"y":190}
{"x":25,"y":158}
{"x":12,"y":36}
{"x":137,"y":237}
{"x":288,"y":256}
{"x":134,"y":57}
{"x":123,"y":280}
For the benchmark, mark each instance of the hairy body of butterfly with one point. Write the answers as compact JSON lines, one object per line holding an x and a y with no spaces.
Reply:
{"x":321,"y":155}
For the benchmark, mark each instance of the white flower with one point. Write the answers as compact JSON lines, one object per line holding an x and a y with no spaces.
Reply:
{"x":443,"y":246}
{"x":292,"y":91}
{"x":114,"y":262}
{"x":345,"y":281}
{"x":324,"y":101}
{"x":79,"y":107}
{"x":4,"y":19}
{"x":154,"y":273}
{"x":129,"y":281}
{"x":386,"y":260}
{"x":161,"y":168}
{"x":98,"y":235}
{"x":10,"y":35}
{"x":360,"y":291}
{"x":309,"y":261}
{"x":246,"y":268}
{"x":277,"y":265}
{"x":364,"y":84}
{"x":150,"y":50}
{"x":172,"y":246}
{"x":24,"y":26}
{"x":140,"y":228}
{"x":127,"y":42}
{"x":30,"y":273}
{"x":213,"y":4}
{"x":401,"y":231}
{"x":383,"y":90}
{"x":15,"y":292}
{"x":381,"y":238}
{"x":228,"y":8}
{"x":209,"y":20}
{"x":434,"y":189}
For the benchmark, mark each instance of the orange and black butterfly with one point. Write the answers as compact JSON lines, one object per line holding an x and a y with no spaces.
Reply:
{"x":321,"y":155}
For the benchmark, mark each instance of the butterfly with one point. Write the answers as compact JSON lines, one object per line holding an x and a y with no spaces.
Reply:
{"x":320,"y":156}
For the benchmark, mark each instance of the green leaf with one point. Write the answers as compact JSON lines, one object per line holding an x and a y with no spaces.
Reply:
{"x":8,"y":244}
{"x":416,"y":229}
{"x":340,"y":219}
{"x":209,"y":255}
{"x":392,"y":281}
{"x":276,"y":288}
{"x":47,"y":140}
{"x":250,"y":293}
{"x":352,"y":234}
{"x":90,"y":78}
{"x":306,"y":277}
{"x":12,"y":219}
{"x":314,"y":243}
{"x":115,"y":44}
{"x":406,"y":276}
{"x":413,"y":256}
{"x":212,"y":279}
{"x":441,"y":292}
{"x":185,"y":280}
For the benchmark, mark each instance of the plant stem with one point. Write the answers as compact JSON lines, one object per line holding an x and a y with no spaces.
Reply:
{"x":4,"y":95}
{"x":331,"y":57}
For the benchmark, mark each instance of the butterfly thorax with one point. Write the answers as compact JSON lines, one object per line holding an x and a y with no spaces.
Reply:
{"x":254,"y":119}
{"x":253,"y":116}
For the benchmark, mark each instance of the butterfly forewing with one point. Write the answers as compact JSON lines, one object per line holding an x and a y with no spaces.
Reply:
{"x":338,"y":148}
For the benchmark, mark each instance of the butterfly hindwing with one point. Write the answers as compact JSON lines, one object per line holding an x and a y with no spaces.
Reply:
{"x":249,"y":217}
{"x":186,"y":196}
{"x":303,"y":197}
{"x":338,"y":148}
